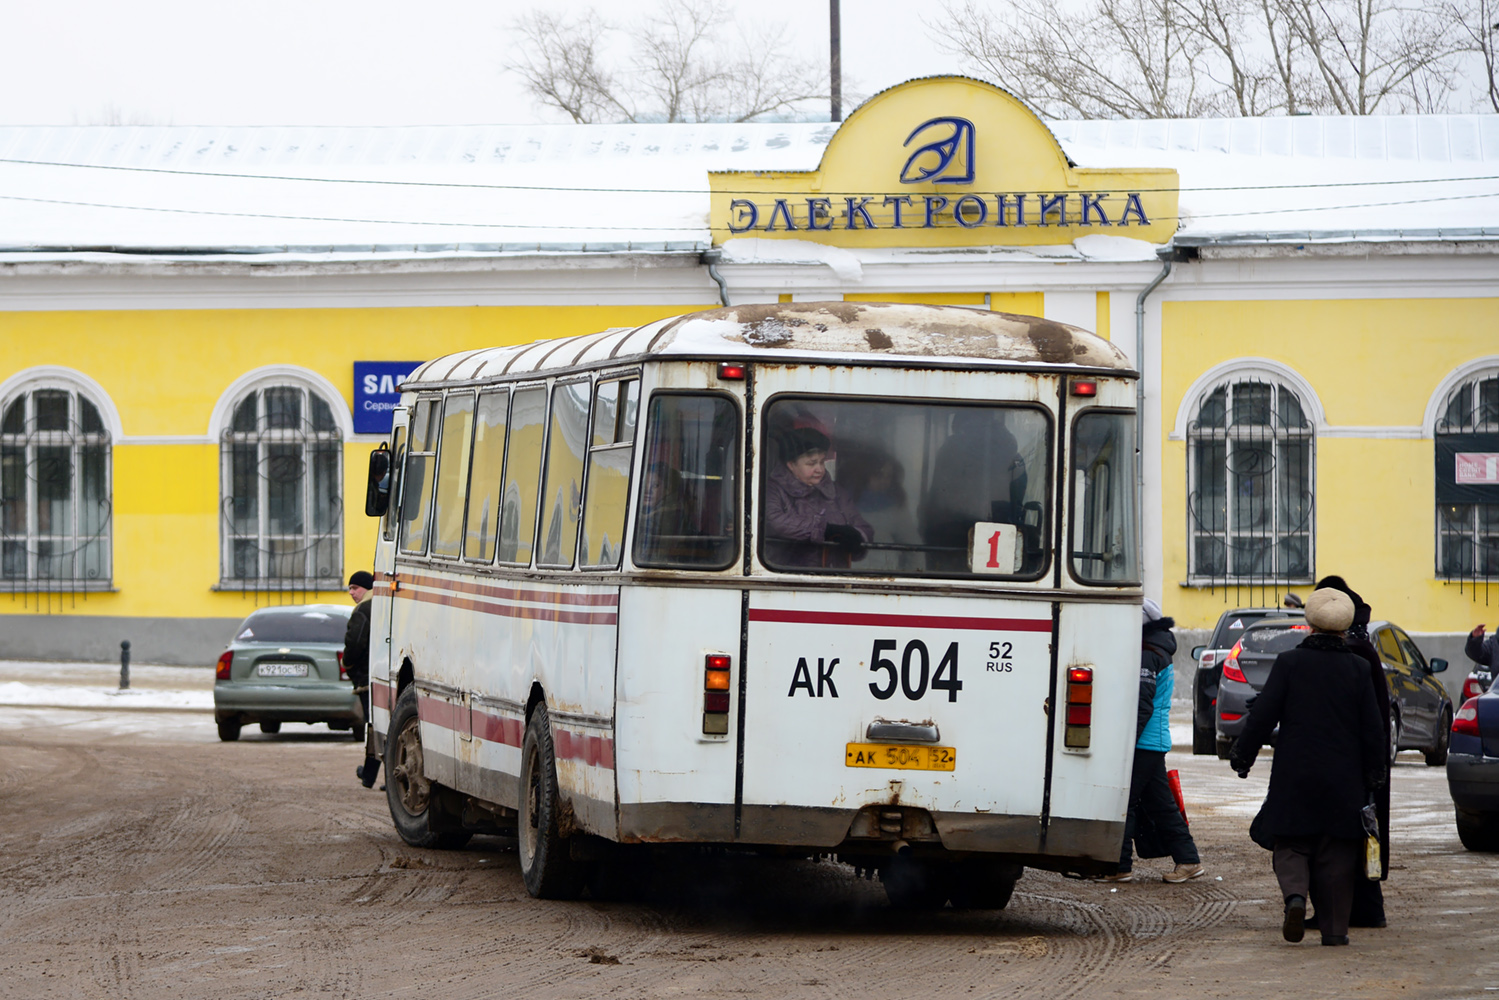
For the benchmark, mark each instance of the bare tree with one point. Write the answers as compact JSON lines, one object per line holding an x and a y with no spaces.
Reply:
{"x":1199,"y":58}
{"x":1478,"y":37}
{"x":1114,"y":59}
{"x":677,"y":66}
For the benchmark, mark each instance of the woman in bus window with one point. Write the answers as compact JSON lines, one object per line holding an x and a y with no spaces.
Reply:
{"x":804,"y":510}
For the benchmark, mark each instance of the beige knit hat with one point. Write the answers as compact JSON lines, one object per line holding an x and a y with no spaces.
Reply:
{"x":1329,"y":610}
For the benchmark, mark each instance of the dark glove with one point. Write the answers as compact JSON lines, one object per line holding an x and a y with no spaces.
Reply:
{"x":1240,"y":765}
{"x":845,"y":536}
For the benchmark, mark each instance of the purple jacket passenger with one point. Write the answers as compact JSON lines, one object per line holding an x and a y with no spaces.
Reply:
{"x":799,"y":512}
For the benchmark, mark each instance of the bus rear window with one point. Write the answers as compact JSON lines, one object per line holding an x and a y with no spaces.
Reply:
{"x":905,"y":489}
{"x":688,"y":511}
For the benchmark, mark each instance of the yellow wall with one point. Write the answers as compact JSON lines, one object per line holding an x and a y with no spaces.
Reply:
{"x":1024,"y":303}
{"x":1375,"y":498}
{"x":164,"y":371}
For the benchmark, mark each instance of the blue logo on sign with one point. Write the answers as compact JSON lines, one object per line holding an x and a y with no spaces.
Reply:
{"x":377,"y":393}
{"x":945,"y":159}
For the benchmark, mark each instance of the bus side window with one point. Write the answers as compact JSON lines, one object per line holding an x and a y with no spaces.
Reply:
{"x":397,"y":466}
{"x":416,"y":496}
{"x":610,"y":454}
{"x":687,"y":514}
{"x":452,"y":473}
{"x":1104,"y":547}
{"x":562,"y":497}
{"x":522,"y":475}
{"x":487,"y":477}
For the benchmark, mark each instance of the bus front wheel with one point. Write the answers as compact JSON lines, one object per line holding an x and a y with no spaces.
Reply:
{"x":407,"y":790}
{"x":546,"y":861}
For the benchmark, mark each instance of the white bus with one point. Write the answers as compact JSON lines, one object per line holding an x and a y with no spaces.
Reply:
{"x":811,"y":578}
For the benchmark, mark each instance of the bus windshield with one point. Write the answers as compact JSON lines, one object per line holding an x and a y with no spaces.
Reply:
{"x":905,"y":488}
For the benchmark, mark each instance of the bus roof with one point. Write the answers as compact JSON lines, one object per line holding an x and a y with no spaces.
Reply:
{"x":815,"y":332}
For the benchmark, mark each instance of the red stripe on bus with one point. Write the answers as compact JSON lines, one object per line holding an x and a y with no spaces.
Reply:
{"x":380,"y":695}
{"x":513,"y":593}
{"x":499,"y":729}
{"x":513,"y":610}
{"x":899,"y":621}
{"x":595,"y":750}
{"x":436,"y":712}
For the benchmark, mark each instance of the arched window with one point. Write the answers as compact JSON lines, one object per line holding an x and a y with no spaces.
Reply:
{"x":55,"y":496}
{"x":1467,"y":479}
{"x":1250,"y":489}
{"x":281,"y":453}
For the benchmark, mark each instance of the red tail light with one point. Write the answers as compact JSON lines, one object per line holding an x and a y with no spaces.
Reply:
{"x":1231,"y":671}
{"x":1465,"y":722}
{"x":1079,"y":716}
{"x":716,"y":694}
{"x":1231,"y":716}
{"x":221,"y":673}
{"x":343,"y":674}
{"x":1472,"y":688}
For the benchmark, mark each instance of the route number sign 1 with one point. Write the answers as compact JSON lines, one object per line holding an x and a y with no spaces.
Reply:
{"x":992,"y":548}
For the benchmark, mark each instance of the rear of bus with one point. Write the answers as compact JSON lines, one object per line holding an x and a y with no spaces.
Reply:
{"x":949,"y":697}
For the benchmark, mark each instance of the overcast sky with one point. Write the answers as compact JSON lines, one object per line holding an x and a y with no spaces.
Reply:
{"x":338,"y":62}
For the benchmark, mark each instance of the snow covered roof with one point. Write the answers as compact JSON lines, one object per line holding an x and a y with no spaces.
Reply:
{"x":485,"y":190}
{"x":836,"y":331}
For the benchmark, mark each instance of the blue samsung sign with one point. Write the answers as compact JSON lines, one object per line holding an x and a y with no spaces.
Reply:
{"x":376,"y":394}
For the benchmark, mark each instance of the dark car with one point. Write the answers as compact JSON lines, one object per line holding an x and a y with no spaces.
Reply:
{"x":1473,"y":772}
{"x":1209,"y":660}
{"x":1420,"y":709}
{"x":286,"y":665}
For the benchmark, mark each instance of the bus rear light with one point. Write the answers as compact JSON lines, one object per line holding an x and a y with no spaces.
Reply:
{"x":1079,"y":717}
{"x":221,"y":672}
{"x":1084,"y":387}
{"x":1465,"y":722}
{"x":730,"y":371}
{"x":716,"y":694}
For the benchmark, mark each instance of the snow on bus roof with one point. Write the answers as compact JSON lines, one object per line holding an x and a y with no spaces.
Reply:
{"x":815,"y":331}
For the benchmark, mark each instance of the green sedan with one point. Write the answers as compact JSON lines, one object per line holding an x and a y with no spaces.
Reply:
{"x":286,"y":665}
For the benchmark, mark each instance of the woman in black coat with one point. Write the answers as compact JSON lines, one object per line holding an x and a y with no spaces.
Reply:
{"x":1368,"y":897}
{"x":1328,"y":757}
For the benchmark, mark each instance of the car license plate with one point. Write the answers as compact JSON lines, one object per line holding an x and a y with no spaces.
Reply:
{"x":909,"y":758}
{"x":281,"y":670}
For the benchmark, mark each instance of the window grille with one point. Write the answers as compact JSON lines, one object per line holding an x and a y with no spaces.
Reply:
{"x":1250,"y":487}
{"x":55,"y":493}
{"x":282,"y":497}
{"x":1467,"y":482}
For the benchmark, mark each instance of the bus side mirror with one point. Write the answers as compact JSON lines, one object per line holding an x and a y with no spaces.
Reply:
{"x":377,"y":490}
{"x":1437,"y":664}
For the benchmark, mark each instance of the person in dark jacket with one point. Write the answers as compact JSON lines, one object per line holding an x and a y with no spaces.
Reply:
{"x":804,"y":508}
{"x":357,"y":660}
{"x":1151,"y":801}
{"x":1482,"y":650}
{"x":1329,"y":755}
{"x":1368,"y":896}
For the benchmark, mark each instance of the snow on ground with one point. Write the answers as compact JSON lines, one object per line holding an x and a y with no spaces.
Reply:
{"x":93,"y":686}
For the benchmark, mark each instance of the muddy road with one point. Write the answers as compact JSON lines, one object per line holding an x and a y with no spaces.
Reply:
{"x":140,"y":857}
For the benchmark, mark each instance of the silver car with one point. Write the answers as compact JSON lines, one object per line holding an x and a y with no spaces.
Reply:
{"x":286,"y":665}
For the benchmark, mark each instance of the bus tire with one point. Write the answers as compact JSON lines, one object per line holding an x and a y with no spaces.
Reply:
{"x":407,"y":791}
{"x":546,"y":862}
{"x":916,"y":883}
{"x":984,"y":884}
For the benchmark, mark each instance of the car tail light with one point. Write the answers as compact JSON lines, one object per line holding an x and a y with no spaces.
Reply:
{"x":1231,"y":671}
{"x":221,"y":672}
{"x":1465,"y":722}
{"x":343,"y":674}
{"x":1231,"y":716}
{"x":716,"y":694}
{"x":1472,"y":688}
{"x":1079,"y":717}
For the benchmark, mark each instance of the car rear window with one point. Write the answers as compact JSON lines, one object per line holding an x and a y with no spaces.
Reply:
{"x":293,"y":625}
{"x":1275,"y":639}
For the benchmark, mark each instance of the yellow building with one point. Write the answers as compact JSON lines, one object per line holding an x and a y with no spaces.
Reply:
{"x":1313,"y":302}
